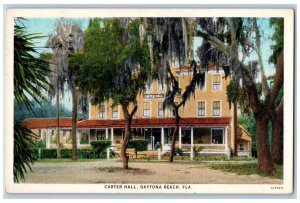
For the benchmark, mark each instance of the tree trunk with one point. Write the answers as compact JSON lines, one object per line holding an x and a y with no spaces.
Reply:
{"x":277,"y":139}
{"x":265,"y":159}
{"x":74,"y":120}
{"x":128,"y":118}
{"x":57,"y":130}
{"x":125,"y":143}
{"x":235,"y":129}
{"x":175,"y":134}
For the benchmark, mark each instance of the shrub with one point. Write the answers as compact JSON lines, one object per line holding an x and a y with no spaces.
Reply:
{"x":100,"y":147}
{"x":40,"y":144}
{"x":48,"y":153}
{"x":139,"y":145}
{"x":67,"y":154}
{"x":178,"y":151}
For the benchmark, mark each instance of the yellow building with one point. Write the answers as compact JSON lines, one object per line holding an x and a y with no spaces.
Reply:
{"x":207,"y":121}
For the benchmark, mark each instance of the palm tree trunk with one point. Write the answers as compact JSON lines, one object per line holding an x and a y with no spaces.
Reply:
{"x":74,"y":120}
{"x":57,"y":130}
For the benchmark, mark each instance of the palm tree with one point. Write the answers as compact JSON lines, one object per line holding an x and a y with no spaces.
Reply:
{"x":30,"y":76}
{"x":68,"y":39}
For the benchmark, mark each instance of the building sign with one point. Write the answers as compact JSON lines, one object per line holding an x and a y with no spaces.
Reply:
{"x":153,"y":96}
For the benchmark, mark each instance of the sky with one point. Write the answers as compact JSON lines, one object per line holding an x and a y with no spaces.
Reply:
{"x":46,"y":27}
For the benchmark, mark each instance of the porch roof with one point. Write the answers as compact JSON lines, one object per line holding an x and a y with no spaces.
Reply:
{"x":155,"y":122}
{"x":37,"y":123}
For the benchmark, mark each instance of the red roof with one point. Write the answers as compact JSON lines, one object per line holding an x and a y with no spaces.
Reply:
{"x":35,"y":123}
{"x":155,"y":122}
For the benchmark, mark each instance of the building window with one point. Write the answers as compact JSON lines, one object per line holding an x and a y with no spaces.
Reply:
{"x":216,"y":108}
{"x":149,"y":87}
{"x":217,"y":136}
{"x":40,"y":133}
{"x":102,"y":111}
{"x":217,"y":82}
{"x":201,"y":108}
{"x":84,"y":137}
{"x":162,"y":86}
{"x":115,"y":112}
{"x":146,"y":108}
{"x":242,"y":147}
{"x":161,"y":111}
{"x":100,"y":135}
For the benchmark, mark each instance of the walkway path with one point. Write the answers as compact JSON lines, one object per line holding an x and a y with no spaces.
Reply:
{"x":109,"y":171}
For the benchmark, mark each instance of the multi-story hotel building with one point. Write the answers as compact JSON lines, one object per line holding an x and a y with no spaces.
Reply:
{"x":206,"y":120}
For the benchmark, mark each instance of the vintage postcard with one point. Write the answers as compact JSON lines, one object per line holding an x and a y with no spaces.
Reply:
{"x":171,"y":101}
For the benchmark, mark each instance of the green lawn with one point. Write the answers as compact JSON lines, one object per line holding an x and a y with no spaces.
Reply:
{"x":65,"y":160}
{"x":244,"y":169}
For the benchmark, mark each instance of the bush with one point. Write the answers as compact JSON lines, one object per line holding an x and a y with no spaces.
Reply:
{"x":178,"y":151}
{"x":138,"y":145}
{"x":40,"y":144}
{"x":100,"y":147}
{"x":67,"y":154}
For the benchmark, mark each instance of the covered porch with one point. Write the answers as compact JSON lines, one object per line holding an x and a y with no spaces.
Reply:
{"x":211,"y":134}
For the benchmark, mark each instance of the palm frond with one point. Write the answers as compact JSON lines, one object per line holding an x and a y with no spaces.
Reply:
{"x":30,"y":72}
{"x":23,"y":153}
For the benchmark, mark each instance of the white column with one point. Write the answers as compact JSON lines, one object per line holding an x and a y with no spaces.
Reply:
{"x":226,"y":142}
{"x":106,"y":133}
{"x":107,"y":153}
{"x":162,"y":137}
{"x":226,"y":139}
{"x":112,"y":136}
{"x":78,"y":137}
{"x":192,"y":143}
{"x":179,"y":137}
{"x":90,"y":108}
{"x":47,"y":139}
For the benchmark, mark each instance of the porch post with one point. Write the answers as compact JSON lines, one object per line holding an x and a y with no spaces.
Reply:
{"x":112,"y":136}
{"x":106,"y":133}
{"x":192,"y":143}
{"x":78,"y":138}
{"x":180,"y":137}
{"x":47,"y":139}
{"x":226,"y":142}
{"x":162,"y":137}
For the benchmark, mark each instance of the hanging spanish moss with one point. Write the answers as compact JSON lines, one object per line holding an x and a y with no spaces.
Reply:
{"x":68,"y":39}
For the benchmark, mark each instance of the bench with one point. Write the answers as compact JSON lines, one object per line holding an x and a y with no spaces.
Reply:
{"x":132,"y":154}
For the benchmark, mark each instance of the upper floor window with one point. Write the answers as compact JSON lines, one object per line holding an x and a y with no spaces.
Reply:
{"x":115,"y":112}
{"x":148,"y":87}
{"x":216,"y":108}
{"x":102,"y":111}
{"x":162,"y":86}
{"x":161,"y":111}
{"x":201,"y":108}
{"x":217,"y":82}
{"x":146,"y":109}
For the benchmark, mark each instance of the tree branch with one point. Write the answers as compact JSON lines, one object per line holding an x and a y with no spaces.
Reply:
{"x":133,"y":111}
{"x":278,"y":82}
{"x":265,"y":87}
{"x":214,"y":41}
